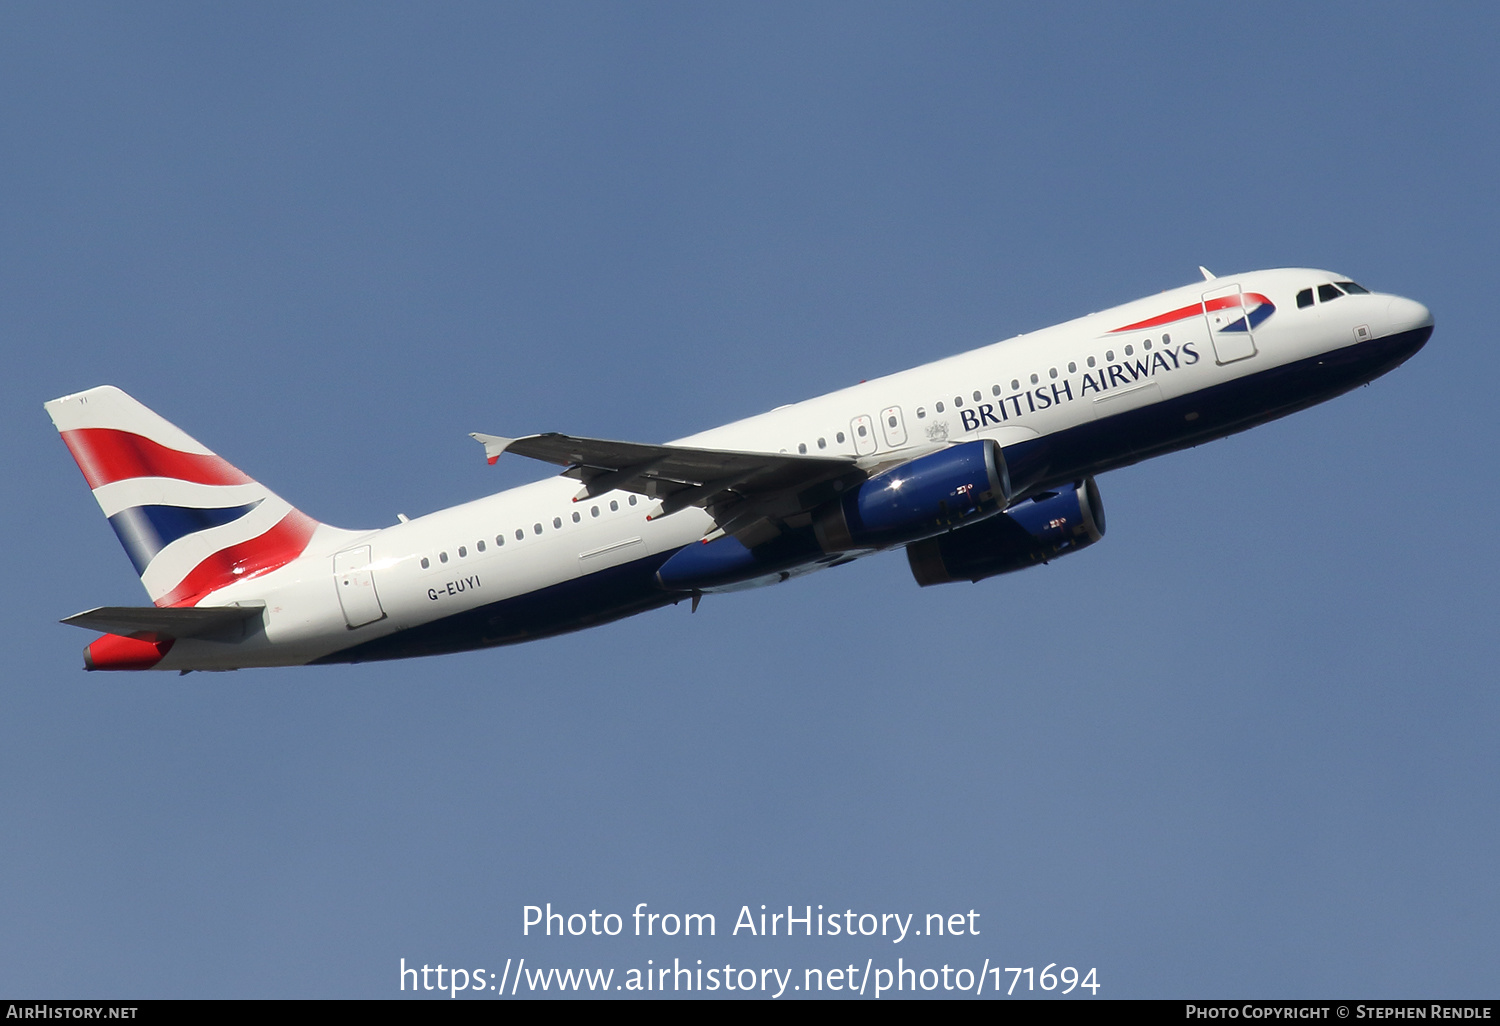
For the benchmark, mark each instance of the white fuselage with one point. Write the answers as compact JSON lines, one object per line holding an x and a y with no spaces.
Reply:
{"x":535,"y":540}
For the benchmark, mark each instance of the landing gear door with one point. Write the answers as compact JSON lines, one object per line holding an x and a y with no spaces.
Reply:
{"x":356,"y":586}
{"x":1228,"y":324}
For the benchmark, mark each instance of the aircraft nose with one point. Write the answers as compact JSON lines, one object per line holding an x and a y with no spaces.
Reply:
{"x":1403,"y":315}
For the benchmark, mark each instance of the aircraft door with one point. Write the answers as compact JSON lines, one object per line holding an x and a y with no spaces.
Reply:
{"x":862,"y":428}
{"x":1228,"y":324}
{"x":894,"y":426}
{"x":356,"y":586}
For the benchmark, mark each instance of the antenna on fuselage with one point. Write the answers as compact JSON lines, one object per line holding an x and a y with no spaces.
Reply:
{"x":1207,"y":274}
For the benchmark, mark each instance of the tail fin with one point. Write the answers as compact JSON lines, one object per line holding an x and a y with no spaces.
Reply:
{"x":190,"y":522}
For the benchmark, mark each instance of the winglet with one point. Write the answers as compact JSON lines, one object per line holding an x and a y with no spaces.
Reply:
{"x":494,"y":445}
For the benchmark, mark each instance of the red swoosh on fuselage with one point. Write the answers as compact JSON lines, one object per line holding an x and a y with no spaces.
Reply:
{"x":1182,"y":313}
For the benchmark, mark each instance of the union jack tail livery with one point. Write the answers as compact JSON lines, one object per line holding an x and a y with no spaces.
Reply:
{"x":190,"y":521}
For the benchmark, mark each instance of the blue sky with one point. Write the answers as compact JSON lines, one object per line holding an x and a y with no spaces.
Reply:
{"x":1243,"y":747}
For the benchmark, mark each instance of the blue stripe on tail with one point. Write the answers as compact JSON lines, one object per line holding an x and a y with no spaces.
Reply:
{"x":146,"y":530}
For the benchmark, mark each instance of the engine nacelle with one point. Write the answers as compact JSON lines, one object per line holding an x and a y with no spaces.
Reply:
{"x":1043,"y":528}
{"x":922,"y":497}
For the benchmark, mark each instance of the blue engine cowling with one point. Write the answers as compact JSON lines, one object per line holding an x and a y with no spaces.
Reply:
{"x":922,"y":497}
{"x":1042,"y":528}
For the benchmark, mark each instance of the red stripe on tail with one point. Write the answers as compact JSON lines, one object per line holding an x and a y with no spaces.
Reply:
{"x":276,"y":548}
{"x":106,"y":455}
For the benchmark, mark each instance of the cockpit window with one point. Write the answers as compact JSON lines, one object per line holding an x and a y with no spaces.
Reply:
{"x":1353,"y":289}
{"x":1328,"y":293}
{"x":1304,"y":298}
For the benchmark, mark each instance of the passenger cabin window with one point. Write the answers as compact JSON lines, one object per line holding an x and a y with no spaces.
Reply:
{"x":557,"y":523}
{"x":462,"y":552}
{"x":921,"y":415}
{"x":1034,"y":379}
{"x":1304,"y":298}
{"x":536,"y":528}
{"x":840,"y":437}
{"x":958,"y":402}
{"x":822,"y":443}
{"x":479,"y":545}
{"x":520,"y":534}
{"x":978,"y":395}
{"x":1328,"y":293}
{"x":994,"y":390}
{"x":576,"y":516}
{"x":499,"y":539}
{"x":426,"y":562}
{"x":802,"y":448}
{"x":632,"y":499}
{"x":939,"y":407}
{"x":614,"y":506}
{"x":594,"y":511}
{"x":442,"y":557}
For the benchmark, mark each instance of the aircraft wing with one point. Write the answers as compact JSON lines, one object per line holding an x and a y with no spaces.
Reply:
{"x":166,"y":622}
{"x":734,"y":486}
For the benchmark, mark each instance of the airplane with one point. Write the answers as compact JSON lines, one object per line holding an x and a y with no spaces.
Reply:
{"x":978,"y":465}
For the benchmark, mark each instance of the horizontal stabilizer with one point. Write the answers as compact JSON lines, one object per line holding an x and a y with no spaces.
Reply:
{"x":174,"y":622}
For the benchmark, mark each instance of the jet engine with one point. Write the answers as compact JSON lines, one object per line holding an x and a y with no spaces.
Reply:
{"x":930,"y":494}
{"x":1042,"y":528}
